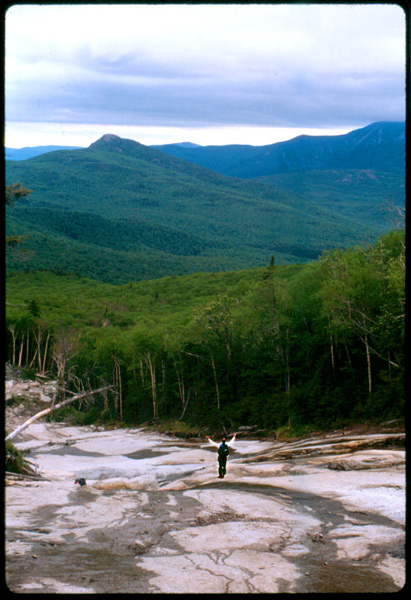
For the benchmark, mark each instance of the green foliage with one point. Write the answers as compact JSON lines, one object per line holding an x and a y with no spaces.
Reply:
{"x":368,"y":195}
{"x":180,"y":429}
{"x":15,"y":462}
{"x":287,"y":348}
{"x":119,"y":211}
{"x":14,"y":192}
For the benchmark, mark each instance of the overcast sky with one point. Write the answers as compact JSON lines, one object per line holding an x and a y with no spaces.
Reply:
{"x":209,"y":74}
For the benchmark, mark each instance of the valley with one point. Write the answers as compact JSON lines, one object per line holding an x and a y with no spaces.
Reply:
{"x":120,"y":211}
{"x":203,"y":299}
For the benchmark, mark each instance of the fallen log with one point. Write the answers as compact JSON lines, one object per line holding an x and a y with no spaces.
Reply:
{"x":25,"y":476}
{"x":51,"y":409}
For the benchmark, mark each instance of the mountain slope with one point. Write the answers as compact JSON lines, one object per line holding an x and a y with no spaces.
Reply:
{"x":359,"y":175}
{"x":30,"y":151}
{"x":123,"y":197}
{"x":89,"y":245}
{"x":379,"y":146}
{"x":371,"y":196}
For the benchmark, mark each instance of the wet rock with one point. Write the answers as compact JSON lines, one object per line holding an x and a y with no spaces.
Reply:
{"x":330,"y":445}
{"x":259,"y":530}
{"x":146,"y":482}
{"x":372,"y":459}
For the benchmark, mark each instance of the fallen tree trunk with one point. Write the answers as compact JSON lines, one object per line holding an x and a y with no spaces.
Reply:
{"x":25,"y":476}
{"x":51,"y":409}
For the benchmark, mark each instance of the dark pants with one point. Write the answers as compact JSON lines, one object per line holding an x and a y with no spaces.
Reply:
{"x":221,"y":466}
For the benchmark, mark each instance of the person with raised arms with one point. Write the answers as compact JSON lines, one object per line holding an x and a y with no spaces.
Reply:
{"x":223,"y":452}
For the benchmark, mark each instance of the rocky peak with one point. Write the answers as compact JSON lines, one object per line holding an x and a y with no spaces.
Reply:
{"x":110,"y":137}
{"x":114,"y":143}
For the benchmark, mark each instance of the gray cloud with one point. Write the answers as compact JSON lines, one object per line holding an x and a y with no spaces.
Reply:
{"x":299,"y":101}
{"x":333,"y":68}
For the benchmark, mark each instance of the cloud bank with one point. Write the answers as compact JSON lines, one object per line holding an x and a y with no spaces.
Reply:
{"x":199,"y":66}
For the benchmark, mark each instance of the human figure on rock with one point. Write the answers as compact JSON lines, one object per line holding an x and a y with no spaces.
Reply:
{"x":223,"y":452}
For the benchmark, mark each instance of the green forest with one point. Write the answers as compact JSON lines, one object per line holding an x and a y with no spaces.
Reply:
{"x":120,"y":211}
{"x":294,"y":347}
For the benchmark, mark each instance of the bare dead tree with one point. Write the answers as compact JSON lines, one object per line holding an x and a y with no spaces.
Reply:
{"x":51,"y":409}
{"x":12,"y":329}
{"x":118,"y":384}
{"x":150,"y":363}
{"x":62,"y":351}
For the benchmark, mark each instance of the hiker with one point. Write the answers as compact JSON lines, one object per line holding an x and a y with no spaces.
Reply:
{"x":223,"y":452}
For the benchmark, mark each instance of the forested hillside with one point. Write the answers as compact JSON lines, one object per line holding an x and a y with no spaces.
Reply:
{"x":371,"y":196}
{"x":120,"y":211}
{"x":359,"y":175}
{"x":300,"y":346}
{"x":377,"y":147}
{"x":29,"y":152}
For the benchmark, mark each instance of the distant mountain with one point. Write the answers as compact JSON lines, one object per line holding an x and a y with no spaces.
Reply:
{"x":120,"y":211}
{"x":360,"y":174}
{"x":379,"y":146}
{"x":29,"y":152}
{"x":184,"y":145}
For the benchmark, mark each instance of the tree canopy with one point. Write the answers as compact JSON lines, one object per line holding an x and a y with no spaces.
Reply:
{"x":305,"y":345}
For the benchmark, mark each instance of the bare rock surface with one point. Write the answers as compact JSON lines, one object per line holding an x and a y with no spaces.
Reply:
{"x":31,"y":389}
{"x":318,"y":515}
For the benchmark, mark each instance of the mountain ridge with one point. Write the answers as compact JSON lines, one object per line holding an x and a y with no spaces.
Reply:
{"x":367,"y":147}
{"x":31,"y":151}
{"x":215,"y":156}
{"x":118,"y":197}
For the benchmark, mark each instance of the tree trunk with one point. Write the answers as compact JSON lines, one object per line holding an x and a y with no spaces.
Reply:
{"x":287,"y":362}
{"x":348,"y":354}
{"x":119,"y":385}
{"x":13,"y":335}
{"x":45,"y":355}
{"x":217,"y":389}
{"x":142,"y":373}
{"x":27,"y":347}
{"x":40,"y":336}
{"x":367,"y":351}
{"x":182,"y":391}
{"x":33,"y":360}
{"x":277,"y":327}
{"x":21,"y":351}
{"x":181,"y":387}
{"x":152,"y":368}
{"x":332,"y":355}
{"x":163,"y":383}
{"x":51,"y":409}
